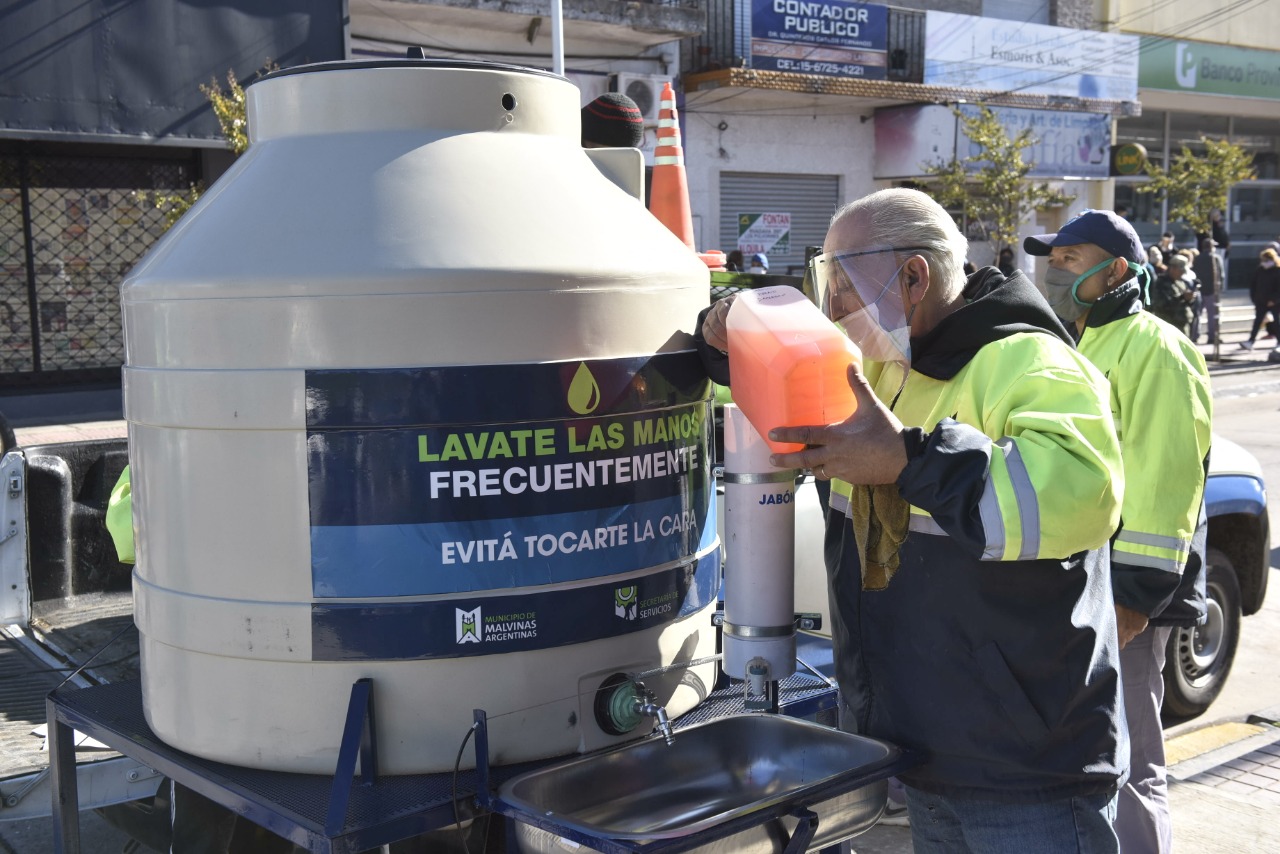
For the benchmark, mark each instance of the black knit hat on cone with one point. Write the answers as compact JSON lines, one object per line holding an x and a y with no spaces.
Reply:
{"x":612,"y":121}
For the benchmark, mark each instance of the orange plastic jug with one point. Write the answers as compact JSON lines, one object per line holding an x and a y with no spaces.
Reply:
{"x":788,"y":363}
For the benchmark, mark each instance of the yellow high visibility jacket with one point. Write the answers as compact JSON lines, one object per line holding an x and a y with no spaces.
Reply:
{"x":1053,"y":476}
{"x":120,"y":517}
{"x":1162,"y":404}
{"x":993,"y":648}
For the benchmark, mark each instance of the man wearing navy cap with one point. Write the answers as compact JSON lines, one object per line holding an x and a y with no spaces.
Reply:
{"x":1162,"y":406}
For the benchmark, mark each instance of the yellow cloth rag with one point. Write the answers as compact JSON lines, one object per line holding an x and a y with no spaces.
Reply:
{"x":880,"y":520}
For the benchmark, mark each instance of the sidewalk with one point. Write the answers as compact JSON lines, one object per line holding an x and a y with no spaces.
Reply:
{"x":49,"y":434}
{"x":1224,"y":786}
{"x":1236,"y":317}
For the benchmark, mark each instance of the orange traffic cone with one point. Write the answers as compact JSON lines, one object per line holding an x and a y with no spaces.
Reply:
{"x":669,"y":193}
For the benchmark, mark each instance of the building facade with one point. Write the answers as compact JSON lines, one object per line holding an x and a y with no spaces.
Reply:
{"x":788,"y":109}
{"x":1207,"y":70}
{"x":100,"y":112}
{"x":787,"y":112}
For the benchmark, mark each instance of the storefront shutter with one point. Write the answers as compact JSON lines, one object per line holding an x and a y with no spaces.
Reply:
{"x":810,"y":199}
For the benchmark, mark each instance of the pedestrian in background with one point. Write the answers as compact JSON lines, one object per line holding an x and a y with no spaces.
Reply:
{"x":1161,"y":398}
{"x":1208,"y":269}
{"x":1158,"y":252}
{"x":1191,"y":253}
{"x":1221,"y":237}
{"x":734,"y":262}
{"x":1005,"y":262}
{"x":1173,"y":296}
{"x":1264,"y":292}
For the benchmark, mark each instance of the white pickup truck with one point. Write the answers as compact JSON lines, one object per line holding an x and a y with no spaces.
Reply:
{"x":63,"y":598}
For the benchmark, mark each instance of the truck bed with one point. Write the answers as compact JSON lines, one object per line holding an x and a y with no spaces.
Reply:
{"x":66,"y":634}
{"x":79,"y":595}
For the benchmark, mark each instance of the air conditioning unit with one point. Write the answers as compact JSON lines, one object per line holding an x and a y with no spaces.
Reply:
{"x":644,"y":89}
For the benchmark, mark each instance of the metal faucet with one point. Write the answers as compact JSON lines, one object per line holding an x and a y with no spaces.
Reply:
{"x":644,"y":706}
{"x":759,"y":689}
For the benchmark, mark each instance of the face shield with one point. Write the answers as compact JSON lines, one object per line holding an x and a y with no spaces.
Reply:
{"x":859,"y":290}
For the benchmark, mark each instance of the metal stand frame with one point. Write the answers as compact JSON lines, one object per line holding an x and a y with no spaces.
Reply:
{"x":359,"y":737}
{"x":341,"y":814}
{"x":256,"y":795}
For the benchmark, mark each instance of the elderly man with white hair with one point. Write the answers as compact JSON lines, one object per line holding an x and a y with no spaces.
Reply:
{"x":973,"y":494}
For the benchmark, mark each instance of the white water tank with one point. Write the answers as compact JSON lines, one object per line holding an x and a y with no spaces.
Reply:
{"x":411,"y":397}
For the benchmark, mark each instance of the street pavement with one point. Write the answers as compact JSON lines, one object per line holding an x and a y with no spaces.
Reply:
{"x":1224,"y":778}
{"x":1224,"y":791}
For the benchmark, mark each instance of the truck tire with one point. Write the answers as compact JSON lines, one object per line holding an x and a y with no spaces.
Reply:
{"x":1199,"y":658}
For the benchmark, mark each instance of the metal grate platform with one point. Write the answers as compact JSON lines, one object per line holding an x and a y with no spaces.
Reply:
{"x":392,"y":808}
{"x":291,"y":805}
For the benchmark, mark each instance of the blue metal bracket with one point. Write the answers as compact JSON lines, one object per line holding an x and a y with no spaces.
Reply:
{"x":804,"y":832}
{"x":359,"y":740}
{"x":62,"y":767}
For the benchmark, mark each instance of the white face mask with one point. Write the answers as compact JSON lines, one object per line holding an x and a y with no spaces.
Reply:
{"x":877,"y":343}
{"x":1268,"y":263}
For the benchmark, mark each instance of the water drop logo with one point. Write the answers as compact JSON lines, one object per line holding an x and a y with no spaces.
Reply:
{"x":468,"y":625}
{"x":584,"y":394}
{"x":624,"y":602}
{"x":1184,"y":67}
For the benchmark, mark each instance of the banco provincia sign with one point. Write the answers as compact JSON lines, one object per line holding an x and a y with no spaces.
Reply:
{"x":831,"y":37}
{"x":1208,"y":69}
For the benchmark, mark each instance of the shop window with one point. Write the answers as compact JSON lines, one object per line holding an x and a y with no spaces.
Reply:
{"x":1144,"y":209}
{"x":1189,"y":129}
{"x":1261,"y":138}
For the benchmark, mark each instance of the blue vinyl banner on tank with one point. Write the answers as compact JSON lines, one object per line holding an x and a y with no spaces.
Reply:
{"x":419,"y":485}
{"x":461,"y":394}
{"x":509,"y":552}
{"x":491,"y":625}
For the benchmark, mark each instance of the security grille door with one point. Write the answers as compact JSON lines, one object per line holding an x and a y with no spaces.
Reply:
{"x":71,"y":228}
{"x":809,"y":199}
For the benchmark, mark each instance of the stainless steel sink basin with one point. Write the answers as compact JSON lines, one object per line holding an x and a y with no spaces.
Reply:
{"x":713,"y":773}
